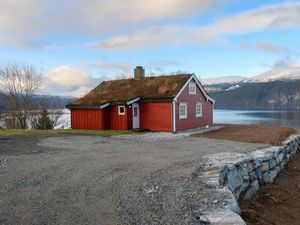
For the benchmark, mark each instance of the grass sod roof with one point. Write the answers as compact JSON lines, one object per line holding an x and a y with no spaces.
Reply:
{"x":161,"y":87}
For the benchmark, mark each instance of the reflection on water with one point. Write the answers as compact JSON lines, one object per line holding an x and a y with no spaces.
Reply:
{"x":281,"y":118}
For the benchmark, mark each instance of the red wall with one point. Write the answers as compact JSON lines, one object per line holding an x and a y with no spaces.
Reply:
{"x":156,"y":116}
{"x":192,"y":121}
{"x":90,"y":119}
{"x":120,"y":122}
{"x":101,"y":119}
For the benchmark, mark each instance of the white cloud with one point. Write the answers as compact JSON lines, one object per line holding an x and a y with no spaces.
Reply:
{"x":269,"y":47}
{"x":125,"y":69}
{"x":69,"y":81}
{"x":115,"y":67}
{"x":144,"y":24}
{"x":273,"y":48}
{"x":29,"y":19}
{"x":150,"y":37}
{"x":278,"y":16}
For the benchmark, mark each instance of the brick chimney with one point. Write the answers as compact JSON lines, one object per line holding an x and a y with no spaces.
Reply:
{"x":139,"y":73}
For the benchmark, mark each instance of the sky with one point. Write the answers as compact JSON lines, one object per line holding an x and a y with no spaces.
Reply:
{"x":76,"y":44}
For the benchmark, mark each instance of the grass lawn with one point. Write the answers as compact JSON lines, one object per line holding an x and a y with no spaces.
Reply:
{"x":57,"y":132}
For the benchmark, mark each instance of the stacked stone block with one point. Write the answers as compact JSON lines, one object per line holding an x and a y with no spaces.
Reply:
{"x":245,"y":177}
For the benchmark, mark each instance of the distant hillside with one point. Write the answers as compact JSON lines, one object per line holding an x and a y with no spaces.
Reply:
{"x":62,"y":99}
{"x":275,"y":95}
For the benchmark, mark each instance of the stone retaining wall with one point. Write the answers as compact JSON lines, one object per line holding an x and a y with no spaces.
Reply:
{"x":239,"y":177}
{"x":245,"y":177}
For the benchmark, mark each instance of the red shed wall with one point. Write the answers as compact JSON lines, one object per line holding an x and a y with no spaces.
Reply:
{"x":120,"y":122}
{"x":156,"y":116}
{"x":192,"y":121}
{"x":90,"y":119}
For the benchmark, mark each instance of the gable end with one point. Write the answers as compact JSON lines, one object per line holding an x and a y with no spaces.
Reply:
{"x":207,"y":97}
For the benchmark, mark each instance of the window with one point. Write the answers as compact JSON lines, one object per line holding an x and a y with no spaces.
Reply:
{"x":121,"y":110}
{"x":192,"y":88}
{"x":135,"y":111}
{"x":198,"y":109}
{"x":182,"y":111}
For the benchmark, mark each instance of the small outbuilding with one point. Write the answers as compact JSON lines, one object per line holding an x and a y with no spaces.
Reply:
{"x":160,"y":103}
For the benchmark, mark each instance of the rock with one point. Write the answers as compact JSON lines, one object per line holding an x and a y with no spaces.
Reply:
{"x":272,"y":163}
{"x":278,"y":169}
{"x":269,"y":176}
{"x":252,"y":190}
{"x":236,"y":177}
{"x":151,"y":190}
{"x":234,"y":207}
{"x":280,"y":158}
{"x":204,"y":220}
{"x":222,"y":217}
{"x":257,"y":163}
{"x":264,"y":166}
{"x":249,"y":165}
{"x":223,"y":176}
{"x":255,"y":175}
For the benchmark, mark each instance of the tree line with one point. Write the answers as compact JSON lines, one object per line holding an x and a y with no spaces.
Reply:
{"x":24,"y":108}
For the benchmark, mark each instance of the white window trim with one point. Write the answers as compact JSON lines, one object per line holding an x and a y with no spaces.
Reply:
{"x":194,"y":91}
{"x":197,"y":104}
{"x":182,"y":116}
{"x":119,"y":107}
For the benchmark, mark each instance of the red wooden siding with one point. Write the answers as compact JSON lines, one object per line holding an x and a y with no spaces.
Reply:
{"x":192,"y":121}
{"x":129,"y":117}
{"x":120,"y":122}
{"x":156,"y":116}
{"x":89,"y":119}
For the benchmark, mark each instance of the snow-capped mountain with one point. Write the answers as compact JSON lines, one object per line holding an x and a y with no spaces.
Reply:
{"x":293,"y":73}
{"x":290,"y":72}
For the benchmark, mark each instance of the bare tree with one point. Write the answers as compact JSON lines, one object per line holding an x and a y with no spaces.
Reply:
{"x":19,"y":83}
{"x":55,"y":112}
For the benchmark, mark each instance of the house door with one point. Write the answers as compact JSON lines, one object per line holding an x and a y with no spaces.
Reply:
{"x":135,"y":115}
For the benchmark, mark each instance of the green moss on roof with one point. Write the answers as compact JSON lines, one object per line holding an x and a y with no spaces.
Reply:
{"x":161,"y":87}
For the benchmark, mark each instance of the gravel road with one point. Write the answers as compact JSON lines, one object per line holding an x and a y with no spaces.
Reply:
{"x":76,"y":179}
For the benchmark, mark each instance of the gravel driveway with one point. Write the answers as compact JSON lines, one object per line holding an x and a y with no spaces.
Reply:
{"x":102,"y":180}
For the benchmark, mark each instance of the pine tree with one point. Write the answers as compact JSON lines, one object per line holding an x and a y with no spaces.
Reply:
{"x":44,"y":122}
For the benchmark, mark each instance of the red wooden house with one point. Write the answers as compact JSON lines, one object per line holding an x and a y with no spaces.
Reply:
{"x":163,"y":103}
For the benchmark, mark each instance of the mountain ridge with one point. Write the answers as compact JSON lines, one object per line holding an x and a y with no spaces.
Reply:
{"x":273,"y":95}
{"x":63,"y":100}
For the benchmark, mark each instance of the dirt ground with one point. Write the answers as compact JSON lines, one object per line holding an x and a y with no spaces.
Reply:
{"x":277,"y":203}
{"x":251,"y":133}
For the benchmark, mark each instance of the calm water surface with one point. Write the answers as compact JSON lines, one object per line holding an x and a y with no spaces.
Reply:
{"x":280,"y":118}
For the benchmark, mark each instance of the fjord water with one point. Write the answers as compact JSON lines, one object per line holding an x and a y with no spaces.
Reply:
{"x":279,"y":118}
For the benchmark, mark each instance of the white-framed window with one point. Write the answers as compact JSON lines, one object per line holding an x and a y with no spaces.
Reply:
{"x":121,"y":110}
{"x":198,"y":109}
{"x":182,"y":110}
{"x":192,"y":88}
